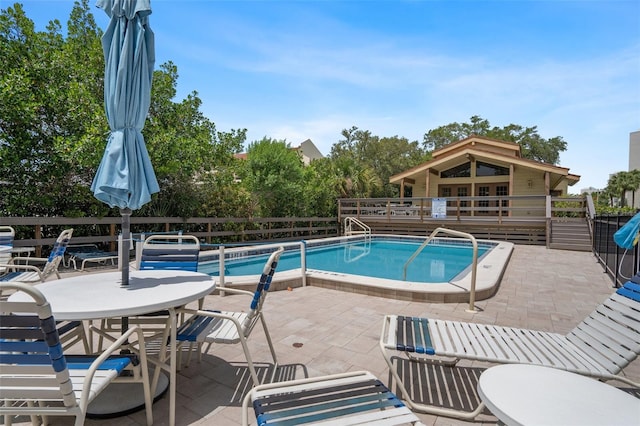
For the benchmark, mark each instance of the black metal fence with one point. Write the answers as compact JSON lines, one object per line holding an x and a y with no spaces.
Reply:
{"x":619,"y":263}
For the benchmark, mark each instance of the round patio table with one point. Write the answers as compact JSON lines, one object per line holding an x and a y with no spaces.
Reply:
{"x":534,"y":395}
{"x":98,"y":296}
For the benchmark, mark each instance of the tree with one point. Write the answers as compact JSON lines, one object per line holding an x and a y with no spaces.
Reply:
{"x":621,"y":182}
{"x":184,"y":147}
{"x":634,"y":184}
{"x":53,"y":128}
{"x":322,"y":184}
{"x":367,"y":161}
{"x":533,"y":146}
{"x":274,"y":175}
{"x":50,"y":104}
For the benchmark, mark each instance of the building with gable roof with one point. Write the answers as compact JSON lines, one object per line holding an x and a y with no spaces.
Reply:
{"x":478,"y":167}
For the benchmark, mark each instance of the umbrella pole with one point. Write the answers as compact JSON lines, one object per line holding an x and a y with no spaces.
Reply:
{"x":126,"y":236}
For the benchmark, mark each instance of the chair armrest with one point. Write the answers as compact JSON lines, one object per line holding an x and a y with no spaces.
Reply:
{"x":211,"y":314}
{"x":23,"y":267}
{"x":234,"y":290}
{"x":17,"y":260}
{"x":115,"y":346}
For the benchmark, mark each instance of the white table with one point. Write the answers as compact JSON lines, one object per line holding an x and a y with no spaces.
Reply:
{"x":534,"y":395}
{"x":98,"y":296}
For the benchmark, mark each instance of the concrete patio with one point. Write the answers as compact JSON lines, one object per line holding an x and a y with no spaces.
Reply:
{"x":319,"y":331}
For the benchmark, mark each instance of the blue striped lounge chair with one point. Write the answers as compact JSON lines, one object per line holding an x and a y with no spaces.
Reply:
{"x":89,"y":253}
{"x":7,"y":234}
{"x":600,"y":346}
{"x":38,"y":379}
{"x":223,"y":327}
{"x":16,"y":272}
{"x":356,"y":398}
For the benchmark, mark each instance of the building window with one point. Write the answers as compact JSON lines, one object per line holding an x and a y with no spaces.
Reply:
{"x":486,"y":169}
{"x":445,"y":191}
{"x":463,"y":170}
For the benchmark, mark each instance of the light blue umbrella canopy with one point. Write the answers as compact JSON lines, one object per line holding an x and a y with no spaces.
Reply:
{"x":627,"y":236}
{"x":125,"y":177}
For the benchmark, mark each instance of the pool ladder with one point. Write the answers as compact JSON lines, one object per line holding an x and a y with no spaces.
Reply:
{"x":474,"y":265}
{"x":351,"y":222}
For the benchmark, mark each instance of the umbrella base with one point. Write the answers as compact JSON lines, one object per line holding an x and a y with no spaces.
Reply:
{"x":121,"y":399}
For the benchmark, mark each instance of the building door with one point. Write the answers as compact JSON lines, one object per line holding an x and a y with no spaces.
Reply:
{"x":492,"y":205}
{"x":455,"y":195}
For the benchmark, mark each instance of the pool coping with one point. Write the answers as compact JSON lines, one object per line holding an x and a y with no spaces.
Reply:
{"x":489,"y":273}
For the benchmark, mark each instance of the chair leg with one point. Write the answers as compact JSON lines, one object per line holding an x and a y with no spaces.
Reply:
{"x":103,"y":324}
{"x":80,"y":419}
{"x":271,"y":348}
{"x":252,"y":370}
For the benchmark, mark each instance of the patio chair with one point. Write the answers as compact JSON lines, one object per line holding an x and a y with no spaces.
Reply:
{"x":600,"y":346}
{"x":224,"y":327}
{"x":356,"y":398}
{"x":17,"y":272}
{"x":38,"y":379}
{"x":168,"y":252}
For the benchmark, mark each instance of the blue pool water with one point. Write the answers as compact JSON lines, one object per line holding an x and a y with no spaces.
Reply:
{"x":378,"y":258}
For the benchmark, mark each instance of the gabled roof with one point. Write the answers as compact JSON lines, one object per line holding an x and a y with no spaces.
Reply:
{"x":486,"y":149}
{"x":488,"y":143}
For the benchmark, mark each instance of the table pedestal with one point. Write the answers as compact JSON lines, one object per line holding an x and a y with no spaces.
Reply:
{"x":120,"y":399}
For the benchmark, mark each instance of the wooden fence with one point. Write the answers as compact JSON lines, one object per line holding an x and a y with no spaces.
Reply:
{"x":41,"y":232}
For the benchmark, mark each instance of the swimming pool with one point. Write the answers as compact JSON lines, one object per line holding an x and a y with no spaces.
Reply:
{"x":380,"y":258}
{"x":435,"y":277}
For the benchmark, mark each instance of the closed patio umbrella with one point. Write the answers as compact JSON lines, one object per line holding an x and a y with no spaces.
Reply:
{"x":125,"y":177}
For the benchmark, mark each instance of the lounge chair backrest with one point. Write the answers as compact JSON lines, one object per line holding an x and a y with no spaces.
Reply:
{"x":174,"y":252}
{"x":30,"y":349}
{"x":611,"y":334}
{"x":261,"y":291}
{"x":57,"y":252}
{"x":7,"y":234}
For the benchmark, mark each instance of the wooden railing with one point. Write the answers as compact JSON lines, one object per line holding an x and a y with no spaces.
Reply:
{"x":494,"y":209}
{"x":40,"y":232}
{"x":520,"y":219}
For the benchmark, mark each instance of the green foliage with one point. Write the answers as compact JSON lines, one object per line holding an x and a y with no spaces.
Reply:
{"x":53,"y":128}
{"x":532,"y":145}
{"x":573,"y":206}
{"x":619,"y":184}
{"x":275,"y":178}
{"x":366,"y":162}
{"x":49,"y":127}
{"x":321,"y":184}
{"x":614,"y":211}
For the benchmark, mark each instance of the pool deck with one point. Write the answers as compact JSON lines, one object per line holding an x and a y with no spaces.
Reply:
{"x":321,"y":331}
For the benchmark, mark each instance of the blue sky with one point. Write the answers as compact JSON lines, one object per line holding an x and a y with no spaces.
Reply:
{"x":309,"y":69}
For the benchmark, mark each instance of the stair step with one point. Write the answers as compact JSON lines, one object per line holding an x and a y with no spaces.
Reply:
{"x":574,"y":247}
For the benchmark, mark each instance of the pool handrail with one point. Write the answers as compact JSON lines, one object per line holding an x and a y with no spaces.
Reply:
{"x":474,"y":265}
{"x":349,"y":221}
